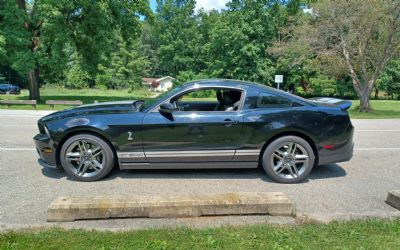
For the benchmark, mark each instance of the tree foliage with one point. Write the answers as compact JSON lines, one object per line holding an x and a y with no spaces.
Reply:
{"x":125,"y":66}
{"x":238,"y":42}
{"x":390,"y":80}
{"x":340,"y":48}
{"x":355,"y":38}
{"x":2,"y":52}
{"x":41,"y":36}
{"x":2,"y":49}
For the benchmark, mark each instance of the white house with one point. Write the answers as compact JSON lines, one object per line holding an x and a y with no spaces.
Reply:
{"x":158,"y":84}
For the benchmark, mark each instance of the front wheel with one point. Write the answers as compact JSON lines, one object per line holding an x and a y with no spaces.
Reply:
{"x":86,"y":157}
{"x":288,"y":159}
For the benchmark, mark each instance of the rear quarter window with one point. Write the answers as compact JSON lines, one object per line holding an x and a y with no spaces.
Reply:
{"x":266,"y":100}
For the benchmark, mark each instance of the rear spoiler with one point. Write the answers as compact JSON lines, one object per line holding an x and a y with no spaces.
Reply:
{"x":334,"y":102}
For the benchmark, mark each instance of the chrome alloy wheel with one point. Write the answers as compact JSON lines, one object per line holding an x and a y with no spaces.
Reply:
{"x":289,"y":160}
{"x":85,"y":158}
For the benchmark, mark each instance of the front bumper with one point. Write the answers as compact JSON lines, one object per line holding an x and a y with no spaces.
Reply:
{"x":46,"y":151}
{"x":43,"y":163}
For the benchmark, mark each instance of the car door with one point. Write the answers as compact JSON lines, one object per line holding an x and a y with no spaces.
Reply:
{"x":191,"y":136}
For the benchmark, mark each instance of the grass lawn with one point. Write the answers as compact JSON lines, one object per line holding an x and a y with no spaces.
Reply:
{"x":87,"y":96}
{"x":369,"y":234}
{"x":381,"y":108}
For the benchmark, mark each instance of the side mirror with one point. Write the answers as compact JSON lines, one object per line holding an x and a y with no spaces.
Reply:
{"x":166,"y":108}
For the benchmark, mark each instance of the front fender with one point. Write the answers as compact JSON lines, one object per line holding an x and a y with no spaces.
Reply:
{"x":113,"y":127}
{"x":62,"y":129}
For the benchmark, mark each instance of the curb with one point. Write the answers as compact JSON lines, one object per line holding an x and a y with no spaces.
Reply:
{"x":65,"y":209}
{"x":393,"y":198}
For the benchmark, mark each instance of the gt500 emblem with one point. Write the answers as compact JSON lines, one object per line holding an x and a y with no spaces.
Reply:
{"x":130,"y":138}
{"x":130,"y":155}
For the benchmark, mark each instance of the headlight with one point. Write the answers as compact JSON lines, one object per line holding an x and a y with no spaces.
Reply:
{"x":41,"y":128}
{"x":46,"y":131}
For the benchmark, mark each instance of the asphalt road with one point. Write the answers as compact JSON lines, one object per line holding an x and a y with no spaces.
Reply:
{"x":338,"y":191}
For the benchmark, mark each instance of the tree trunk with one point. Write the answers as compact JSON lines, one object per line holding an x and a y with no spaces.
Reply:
{"x":376,"y":93}
{"x":33,"y":74}
{"x":33,"y":80}
{"x":364,"y":92}
{"x":364,"y":95}
{"x":364,"y":102}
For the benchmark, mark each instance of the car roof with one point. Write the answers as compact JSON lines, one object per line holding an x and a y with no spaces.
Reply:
{"x":229,"y":83}
{"x":223,"y":82}
{"x":242,"y":84}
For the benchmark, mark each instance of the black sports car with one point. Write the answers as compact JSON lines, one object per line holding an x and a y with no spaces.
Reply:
{"x":239,"y":125}
{"x":9,"y":89}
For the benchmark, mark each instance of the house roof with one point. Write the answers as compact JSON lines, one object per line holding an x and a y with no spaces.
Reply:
{"x":165,"y":78}
{"x":151,"y":80}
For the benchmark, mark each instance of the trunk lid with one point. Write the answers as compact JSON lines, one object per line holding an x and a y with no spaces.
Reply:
{"x":332,"y":102}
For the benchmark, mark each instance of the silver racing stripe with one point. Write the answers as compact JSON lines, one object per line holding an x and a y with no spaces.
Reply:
{"x":197,"y":153}
{"x":200,"y":153}
{"x":242,"y":152}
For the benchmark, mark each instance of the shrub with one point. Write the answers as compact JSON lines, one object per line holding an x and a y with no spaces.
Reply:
{"x":77,"y":78}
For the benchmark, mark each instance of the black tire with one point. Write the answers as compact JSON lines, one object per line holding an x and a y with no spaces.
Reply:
{"x":270,"y":159}
{"x":107,"y":157}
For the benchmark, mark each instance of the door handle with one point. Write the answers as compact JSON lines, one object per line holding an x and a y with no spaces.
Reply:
{"x":229,"y":122}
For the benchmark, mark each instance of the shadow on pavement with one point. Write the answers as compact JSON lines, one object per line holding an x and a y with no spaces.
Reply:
{"x":53,"y":173}
{"x":320,"y":172}
{"x":327,"y":171}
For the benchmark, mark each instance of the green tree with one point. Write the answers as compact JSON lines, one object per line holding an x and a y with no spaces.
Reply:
{"x":390,"y":79}
{"x":38,"y":32}
{"x":187,"y":76}
{"x":19,"y":25}
{"x":126,"y":66}
{"x":148,"y":48}
{"x":2,"y":52}
{"x":301,"y":65}
{"x":355,"y":37}
{"x":176,"y":36}
{"x":239,"y":40}
{"x":2,"y":49}
{"x":293,"y":58}
{"x":76,"y":76}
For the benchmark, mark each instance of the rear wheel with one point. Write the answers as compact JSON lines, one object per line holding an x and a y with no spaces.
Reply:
{"x":288,"y":159}
{"x":86,"y":157}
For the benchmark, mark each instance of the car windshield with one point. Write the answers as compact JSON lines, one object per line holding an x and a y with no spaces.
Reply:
{"x":151,"y":102}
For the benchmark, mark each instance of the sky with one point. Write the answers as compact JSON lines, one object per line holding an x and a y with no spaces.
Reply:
{"x":206,"y":4}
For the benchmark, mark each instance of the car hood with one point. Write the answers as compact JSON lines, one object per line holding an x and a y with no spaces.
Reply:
{"x":92,"y":109}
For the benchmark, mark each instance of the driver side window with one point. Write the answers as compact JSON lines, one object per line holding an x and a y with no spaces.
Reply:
{"x":208,"y":100}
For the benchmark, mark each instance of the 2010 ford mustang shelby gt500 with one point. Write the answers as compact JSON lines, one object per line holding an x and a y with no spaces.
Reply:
{"x":239,"y":125}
